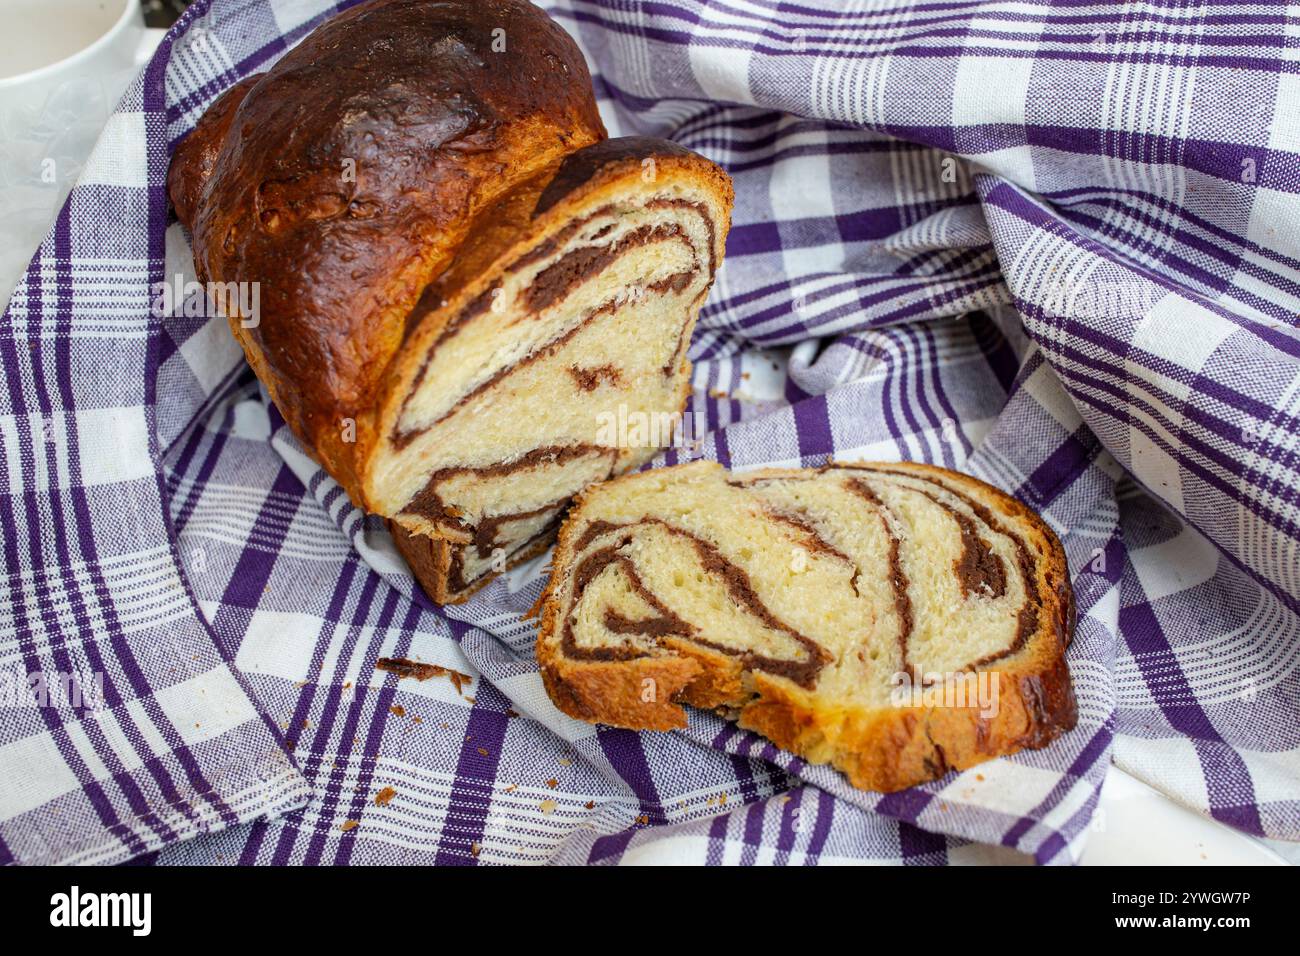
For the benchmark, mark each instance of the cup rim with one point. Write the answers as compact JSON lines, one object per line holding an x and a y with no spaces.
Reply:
{"x":129,"y":9}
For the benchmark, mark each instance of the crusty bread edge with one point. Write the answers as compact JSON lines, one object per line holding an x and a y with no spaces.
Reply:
{"x":880,"y":750}
{"x":429,"y":559}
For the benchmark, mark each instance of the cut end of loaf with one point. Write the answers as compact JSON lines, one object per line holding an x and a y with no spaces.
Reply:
{"x":896,"y":621}
{"x":570,"y":308}
{"x":459,"y":273}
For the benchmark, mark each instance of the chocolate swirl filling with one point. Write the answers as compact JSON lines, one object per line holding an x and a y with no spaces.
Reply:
{"x":666,"y":623}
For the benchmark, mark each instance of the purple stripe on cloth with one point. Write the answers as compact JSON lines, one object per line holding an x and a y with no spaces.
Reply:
{"x":283,"y":853}
{"x":1060,"y":469}
{"x":611,"y":847}
{"x":920,"y":848}
{"x":321,"y":732}
{"x":625,"y":753}
{"x":718,"y":827}
{"x":1235,"y":804}
{"x":476,"y":775}
{"x":754,"y":816}
{"x":812,"y":424}
{"x":379,"y":714}
{"x":791,"y":804}
{"x":1096,"y":752}
{"x":905,"y":805}
{"x":822,"y":825}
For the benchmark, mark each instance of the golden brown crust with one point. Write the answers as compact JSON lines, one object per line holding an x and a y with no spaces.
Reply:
{"x":431,"y":559}
{"x":889,"y":750}
{"x":648,"y":686}
{"x":882,"y":749}
{"x":347,"y":176}
{"x":196,"y":154}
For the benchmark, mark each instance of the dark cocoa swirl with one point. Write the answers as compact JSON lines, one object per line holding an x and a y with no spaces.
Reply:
{"x":554,"y":284}
{"x":739,"y":587}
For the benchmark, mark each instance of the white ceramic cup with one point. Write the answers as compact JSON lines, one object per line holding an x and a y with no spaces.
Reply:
{"x":63,"y":66}
{"x":46,"y":43}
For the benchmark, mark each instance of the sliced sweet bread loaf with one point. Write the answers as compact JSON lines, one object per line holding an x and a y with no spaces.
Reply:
{"x":896,"y":621}
{"x":460,"y":277}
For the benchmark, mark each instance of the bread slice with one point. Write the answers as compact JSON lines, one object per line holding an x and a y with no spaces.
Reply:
{"x":894,"y":620}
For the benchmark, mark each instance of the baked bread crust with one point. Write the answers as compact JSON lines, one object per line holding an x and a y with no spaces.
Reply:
{"x":344,"y":179}
{"x":878,"y":748}
{"x":381,"y":183}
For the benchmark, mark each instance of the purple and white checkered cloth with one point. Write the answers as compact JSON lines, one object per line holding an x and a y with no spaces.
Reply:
{"x":1053,"y":244}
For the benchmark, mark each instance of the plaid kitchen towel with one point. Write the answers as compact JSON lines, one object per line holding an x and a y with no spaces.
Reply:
{"x":1053,"y":244}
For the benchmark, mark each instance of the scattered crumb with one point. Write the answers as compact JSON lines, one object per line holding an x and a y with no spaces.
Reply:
{"x":979,"y":777}
{"x":552,"y":783}
{"x":722,"y":800}
{"x":349,"y":825}
{"x":590,"y":804}
{"x":384,"y":797}
{"x":509,"y":787}
{"x":548,"y":806}
{"x":422,"y":672}
{"x":306,"y":724}
{"x":565,"y":763}
{"x":643,"y":820}
{"x":397,"y":710}
{"x":482,"y":751}
{"x":474,"y":849}
{"x":417,"y":719}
